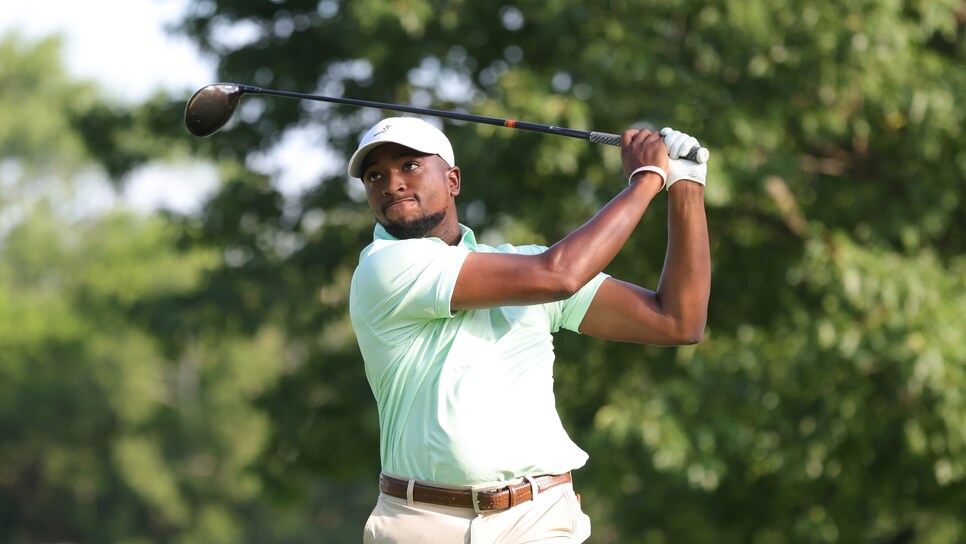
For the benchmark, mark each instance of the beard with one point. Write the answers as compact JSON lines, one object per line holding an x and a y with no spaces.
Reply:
{"x":418,"y":227}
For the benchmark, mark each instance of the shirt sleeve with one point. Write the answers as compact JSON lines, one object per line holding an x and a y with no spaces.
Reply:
{"x":403,"y":283}
{"x":569,"y":313}
{"x":574,"y":308}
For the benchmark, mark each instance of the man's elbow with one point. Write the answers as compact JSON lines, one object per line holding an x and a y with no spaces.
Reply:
{"x":568,"y":287}
{"x":693,"y":338}
{"x":689,"y":333}
{"x":562,"y":282}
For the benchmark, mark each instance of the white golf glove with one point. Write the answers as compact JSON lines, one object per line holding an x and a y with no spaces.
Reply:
{"x":678,"y":144}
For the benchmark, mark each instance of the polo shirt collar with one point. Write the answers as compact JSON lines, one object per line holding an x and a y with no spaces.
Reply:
{"x":468,"y":239}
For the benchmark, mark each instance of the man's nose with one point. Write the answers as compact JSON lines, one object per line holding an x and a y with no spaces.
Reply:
{"x":395,"y":181}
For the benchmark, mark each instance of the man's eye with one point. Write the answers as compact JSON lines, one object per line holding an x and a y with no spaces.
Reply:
{"x":374,"y":176}
{"x":410,"y":166}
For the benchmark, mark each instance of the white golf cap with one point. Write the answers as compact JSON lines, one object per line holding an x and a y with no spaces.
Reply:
{"x":408,"y":131}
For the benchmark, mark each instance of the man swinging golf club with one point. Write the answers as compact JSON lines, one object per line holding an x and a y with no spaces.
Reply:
{"x":457,"y":335}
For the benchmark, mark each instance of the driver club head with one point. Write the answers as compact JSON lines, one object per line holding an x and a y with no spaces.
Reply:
{"x":211,"y":107}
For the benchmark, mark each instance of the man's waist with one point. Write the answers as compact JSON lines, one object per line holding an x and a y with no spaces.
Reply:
{"x":487,"y":497}
{"x":432,"y":452}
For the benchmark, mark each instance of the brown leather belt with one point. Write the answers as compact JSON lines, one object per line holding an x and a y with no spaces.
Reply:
{"x":495,"y":499}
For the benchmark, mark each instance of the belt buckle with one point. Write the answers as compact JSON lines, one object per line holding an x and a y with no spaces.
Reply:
{"x":475,"y":499}
{"x":475,"y":493}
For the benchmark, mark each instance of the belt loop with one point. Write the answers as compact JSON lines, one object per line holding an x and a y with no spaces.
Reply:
{"x":534,"y":488}
{"x":409,"y":492}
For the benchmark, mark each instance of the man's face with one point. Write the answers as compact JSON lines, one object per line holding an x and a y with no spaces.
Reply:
{"x":410,"y":193}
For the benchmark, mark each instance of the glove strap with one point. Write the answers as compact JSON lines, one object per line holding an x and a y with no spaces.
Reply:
{"x":699,"y":182}
{"x":656,"y":169}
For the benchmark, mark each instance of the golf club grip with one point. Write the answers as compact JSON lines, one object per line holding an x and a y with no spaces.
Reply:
{"x":605,"y":138}
{"x":697,"y":154}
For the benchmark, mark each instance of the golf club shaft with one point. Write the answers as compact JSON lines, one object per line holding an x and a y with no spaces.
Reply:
{"x":695,"y":154}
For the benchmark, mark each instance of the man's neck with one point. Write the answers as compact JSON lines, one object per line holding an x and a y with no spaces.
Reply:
{"x":449,"y":232}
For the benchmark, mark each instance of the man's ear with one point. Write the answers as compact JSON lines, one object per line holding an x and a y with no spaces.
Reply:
{"x":453,"y":180}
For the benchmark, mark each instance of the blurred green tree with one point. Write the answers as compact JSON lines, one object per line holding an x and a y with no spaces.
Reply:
{"x":121,"y":421}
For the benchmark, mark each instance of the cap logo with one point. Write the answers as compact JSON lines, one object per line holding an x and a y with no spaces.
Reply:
{"x":383,"y":129}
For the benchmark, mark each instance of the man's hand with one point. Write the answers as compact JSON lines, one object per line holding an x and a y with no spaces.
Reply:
{"x":640,"y":149}
{"x":679,"y":144}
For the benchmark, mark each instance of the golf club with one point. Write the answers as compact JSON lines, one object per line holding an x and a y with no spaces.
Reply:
{"x":211,"y":107}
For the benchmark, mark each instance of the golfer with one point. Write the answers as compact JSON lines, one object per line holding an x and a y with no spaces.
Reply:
{"x":457,"y":335}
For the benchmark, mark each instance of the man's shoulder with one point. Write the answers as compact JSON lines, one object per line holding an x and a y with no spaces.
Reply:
{"x":393,"y":261}
{"x":383,"y":263}
{"x":399,"y":250}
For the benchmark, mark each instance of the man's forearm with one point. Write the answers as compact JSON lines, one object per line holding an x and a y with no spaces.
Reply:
{"x":685,"y":286}
{"x":487,"y":280}
{"x":585,"y":252}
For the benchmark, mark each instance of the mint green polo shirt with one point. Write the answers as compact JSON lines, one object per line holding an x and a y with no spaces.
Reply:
{"x":464,"y":397}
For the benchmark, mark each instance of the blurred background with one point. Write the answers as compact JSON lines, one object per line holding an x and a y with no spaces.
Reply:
{"x":176,"y":360}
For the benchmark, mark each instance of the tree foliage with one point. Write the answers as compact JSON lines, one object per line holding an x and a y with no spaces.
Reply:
{"x":119,"y":423}
{"x":825,"y":403}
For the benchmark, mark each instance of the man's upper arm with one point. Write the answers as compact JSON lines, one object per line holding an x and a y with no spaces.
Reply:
{"x":489,"y":280}
{"x":625,"y":312}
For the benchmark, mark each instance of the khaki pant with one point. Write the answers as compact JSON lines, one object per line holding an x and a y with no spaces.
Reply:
{"x":554,"y":516}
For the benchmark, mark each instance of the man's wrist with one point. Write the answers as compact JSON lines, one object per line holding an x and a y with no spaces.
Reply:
{"x":651,"y":181}
{"x":686,"y":186}
{"x":642,"y":171}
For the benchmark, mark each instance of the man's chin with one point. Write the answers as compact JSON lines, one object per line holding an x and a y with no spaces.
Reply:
{"x":418,"y":227}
